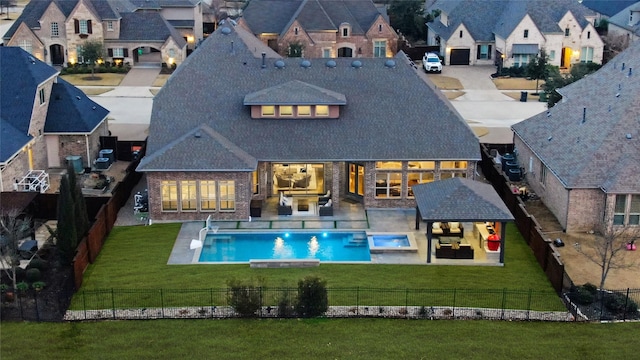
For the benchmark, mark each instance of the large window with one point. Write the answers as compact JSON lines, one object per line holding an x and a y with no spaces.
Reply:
{"x":322,"y":110}
{"x":109,"y":25}
{"x":618,"y":213}
{"x":380,"y":48}
{"x":449,"y":175}
{"x":453,"y":165}
{"x":634,"y":210}
{"x":586,"y":54}
{"x":424,"y":165}
{"x":118,"y":52}
{"x":326,"y":52}
{"x":484,"y":52}
{"x":286,"y":110}
{"x":418,"y":178}
{"x":207,"y":195}
{"x":79,"y":52}
{"x":169,"y":194}
{"x":388,"y":165}
{"x":227,"y":191}
{"x":84,"y":26}
{"x":55,"y":30}
{"x":388,"y":185}
{"x":304,"y":110}
{"x":188,"y":196}
{"x":26,"y":45}
{"x":268,"y":110}
{"x":520,"y":60}
{"x":543,"y":174}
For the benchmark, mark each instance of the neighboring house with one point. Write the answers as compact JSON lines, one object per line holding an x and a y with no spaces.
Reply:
{"x":43,"y":120}
{"x":510,"y":33}
{"x":323,"y":28}
{"x":626,"y":24}
{"x":238,"y":122}
{"x":52,"y":30}
{"x":583,"y":155}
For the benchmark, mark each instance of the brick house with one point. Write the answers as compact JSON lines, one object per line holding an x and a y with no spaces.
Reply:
{"x":582,"y":156}
{"x":52,"y":30}
{"x":43,"y":119}
{"x":254,"y":125}
{"x":322,"y":28}
{"x":510,"y":33}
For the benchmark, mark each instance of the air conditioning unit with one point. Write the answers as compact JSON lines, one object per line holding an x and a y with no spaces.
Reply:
{"x":101,"y":163}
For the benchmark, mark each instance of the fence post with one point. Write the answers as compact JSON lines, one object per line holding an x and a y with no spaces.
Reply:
{"x":113,"y":304}
{"x":453,"y":308}
{"x":626,"y":303}
{"x":260,"y":297}
{"x":211,"y":301}
{"x":84,"y":303}
{"x":529,"y":305}
{"x":35,"y":299}
{"x":357,"y":300}
{"x":162,"y":302}
{"x":504,"y":301}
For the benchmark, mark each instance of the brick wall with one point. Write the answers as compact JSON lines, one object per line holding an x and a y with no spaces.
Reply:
{"x":77,"y":145}
{"x":243,"y":196}
{"x":74,"y":40}
{"x":586,"y":207}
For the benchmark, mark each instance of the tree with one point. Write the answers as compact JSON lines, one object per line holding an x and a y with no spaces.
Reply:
{"x":608,"y":251}
{"x":312,"y":298}
{"x":556,"y":80}
{"x":79,"y":204}
{"x":92,"y":51}
{"x":7,"y":4}
{"x":537,"y":68}
{"x":67,"y":236}
{"x":14,"y":227}
{"x":408,"y":17}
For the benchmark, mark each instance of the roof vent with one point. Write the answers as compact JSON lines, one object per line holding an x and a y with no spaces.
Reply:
{"x":32,"y":59}
{"x":225,"y":30}
{"x":279,"y":64}
{"x":584,"y":115}
{"x":628,"y":136}
{"x":93,"y":107}
{"x":305,"y":64}
{"x":390,"y":63}
{"x":622,"y":68}
{"x":609,"y":108}
{"x":548,"y":113}
{"x":630,"y":72}
{"x":356,"y":64}
{"x":264,"y":64}
{"x":232,"y":51}
{"x":197,"y":135}
{"x":331,"y":64}
{"x":78,"y":97}
{"x":549,"y":138}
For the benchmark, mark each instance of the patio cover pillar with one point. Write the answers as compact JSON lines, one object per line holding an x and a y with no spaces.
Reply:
{"x":417,"y":218}
{"x":429,"y":234}
{"x":503,"y":233}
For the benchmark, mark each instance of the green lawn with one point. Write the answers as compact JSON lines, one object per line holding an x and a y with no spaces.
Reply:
{"x":136,"y":258}
{"x":317,"y":339}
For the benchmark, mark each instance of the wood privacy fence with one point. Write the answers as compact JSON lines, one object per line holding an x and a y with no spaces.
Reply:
{"x":542,"y":249}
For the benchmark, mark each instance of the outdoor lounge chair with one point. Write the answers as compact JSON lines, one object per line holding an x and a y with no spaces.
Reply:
{"x":285,"y":205}
{"x":326,"y":209}
{"x":436,"y":229}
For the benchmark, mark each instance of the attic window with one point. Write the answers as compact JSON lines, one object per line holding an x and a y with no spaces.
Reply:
{"x":109,"y":25}
{"x":296,"y":30}
{"x":460,"y":33}
{"x":379,"y":27}
{"x":322,"y":110}
{"x":526,"y":33}
{"x":304,"y":110}
{"x":286,"y":110}
{"x":566,"y":32}
{"x":268,"y":110}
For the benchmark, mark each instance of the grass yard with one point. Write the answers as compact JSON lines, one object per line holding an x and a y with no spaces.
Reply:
{"x":96,"y":91}
{"x":161,"y":80}
{"x":317,"y":339}
{"x":104,"y":79}
{"x":517,"y":84}
{"x":135,"y":257}
{"x":445,"y":82}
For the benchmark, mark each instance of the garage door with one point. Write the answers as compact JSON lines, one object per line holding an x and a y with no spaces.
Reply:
{"x":459,"y":57}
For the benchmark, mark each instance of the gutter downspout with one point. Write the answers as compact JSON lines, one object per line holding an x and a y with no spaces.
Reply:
{"x":86,"y":139}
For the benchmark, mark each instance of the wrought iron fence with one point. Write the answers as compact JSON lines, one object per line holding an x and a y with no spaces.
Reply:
{"x":502,"y":304}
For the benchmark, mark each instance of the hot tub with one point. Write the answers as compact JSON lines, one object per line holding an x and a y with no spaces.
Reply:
{"x":390,"y":242}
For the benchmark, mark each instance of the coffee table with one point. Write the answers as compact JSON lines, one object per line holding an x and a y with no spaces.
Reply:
{"x":303,"y":205}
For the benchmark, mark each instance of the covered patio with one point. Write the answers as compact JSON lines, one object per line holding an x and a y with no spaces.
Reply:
{"x":465,"y":220}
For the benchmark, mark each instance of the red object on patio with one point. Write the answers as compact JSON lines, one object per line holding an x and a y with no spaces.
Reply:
{"x":493,"y":242}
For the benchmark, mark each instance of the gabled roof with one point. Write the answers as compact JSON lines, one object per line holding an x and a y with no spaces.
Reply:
{"x":460,"y":199}
{"x":608,"y":7}
{"x":275,"y":16}
{"x":71,"y":111}
{"x":392,"y":113}
{"x":295,"y":92}
{"x":20,"y":76}
{"x":484,"y":18}
{"x":621,"y":19}
{"x":594,"y":153}
{"x":215,"y":153}
{"x":155,"y":28}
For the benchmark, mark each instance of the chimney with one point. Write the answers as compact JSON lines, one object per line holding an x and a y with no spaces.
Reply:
{"x":264,"y":60}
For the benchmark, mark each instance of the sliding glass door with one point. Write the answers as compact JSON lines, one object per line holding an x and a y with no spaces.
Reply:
{"x":298,"y":178}
{"x":355,"y":183}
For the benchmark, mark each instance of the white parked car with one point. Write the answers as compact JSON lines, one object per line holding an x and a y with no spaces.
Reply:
{"x":431,"y":63}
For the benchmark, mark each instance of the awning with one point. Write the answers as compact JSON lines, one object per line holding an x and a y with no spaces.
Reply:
{"x":525,"y":49}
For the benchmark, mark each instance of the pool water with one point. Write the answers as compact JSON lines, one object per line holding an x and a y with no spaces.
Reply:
{"x":391,"y":241}
{"x":324,"y":246}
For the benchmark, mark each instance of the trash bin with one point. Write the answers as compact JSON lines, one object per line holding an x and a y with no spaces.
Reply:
{"x":512,"y":165}
{"x":76,"y":162}
{"x":508,"y":157}
{"x":514,"y":174}
{"x":523,"y":96}
{"x":543,"y":96}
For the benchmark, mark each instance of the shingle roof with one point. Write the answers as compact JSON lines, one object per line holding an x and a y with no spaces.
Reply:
{"x":459,"y":199}
{"x":275,"y":16}
{"x":295,"y":92}
{"x":155,"y":28}
{"x":621,"y":19}
{"x":608,"y":7}
{"x":484,"y":18}
{"x":71,"y":111}
{"x":20,"y":76}
{"x":595,"y":153}
{"x":391,"y":113}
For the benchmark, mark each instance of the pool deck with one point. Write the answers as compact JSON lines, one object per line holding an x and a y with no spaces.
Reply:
{"x":349,"y":217}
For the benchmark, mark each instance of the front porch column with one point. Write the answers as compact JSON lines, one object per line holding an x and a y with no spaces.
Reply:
{"x":336,"y":174}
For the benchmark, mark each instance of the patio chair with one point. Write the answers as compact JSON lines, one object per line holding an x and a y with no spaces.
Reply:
{"x":326,"y":209}
{"x":436,"y":229}
{"x":285,"y":205}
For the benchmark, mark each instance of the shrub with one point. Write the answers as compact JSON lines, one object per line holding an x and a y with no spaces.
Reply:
{"x":312,"y":298}
{"x":244,"y":298}
{"x":618,"y":303}
{"x":22,"y":286}
{"x":285,"y":304}
{"x":20,"y":273}
{"x":33,"y":274}
{"x":582,"y":295}
{"x":38,"y":285}
{"x":38,"y":264}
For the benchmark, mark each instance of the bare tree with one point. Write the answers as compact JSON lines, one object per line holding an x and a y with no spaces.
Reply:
{"x":14,"y":226}
{"x":7,"y":4}
{"x":608,"y":251}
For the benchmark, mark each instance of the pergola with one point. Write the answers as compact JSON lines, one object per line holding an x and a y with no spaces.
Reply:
{"x":461,"y":200}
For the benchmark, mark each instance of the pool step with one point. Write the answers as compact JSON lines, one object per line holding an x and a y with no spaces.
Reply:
{"x":358,"y":239}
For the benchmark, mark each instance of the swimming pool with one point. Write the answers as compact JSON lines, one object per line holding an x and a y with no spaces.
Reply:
{"x":324,"y":246}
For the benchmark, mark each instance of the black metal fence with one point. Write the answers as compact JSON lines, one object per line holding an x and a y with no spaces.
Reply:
{"x":607,"y":305}
{"x":500,"y":304}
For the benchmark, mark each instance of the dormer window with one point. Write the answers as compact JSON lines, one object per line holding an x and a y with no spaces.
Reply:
{"x":284,"y":102}
{"x":345,"y":30}
{"x":109,"y":25}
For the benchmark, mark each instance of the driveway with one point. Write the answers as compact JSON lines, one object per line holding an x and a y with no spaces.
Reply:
{"x":487,"y":110}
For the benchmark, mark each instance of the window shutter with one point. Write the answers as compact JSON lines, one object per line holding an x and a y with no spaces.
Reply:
{"x":76,"y":25}
{"x":110,"y":52}
{"x":489,"y":53}
{"x":125,"y":52}
{"x":89,"y":27}
{"x":478,"y":52}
